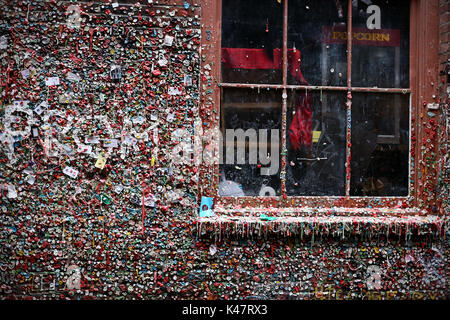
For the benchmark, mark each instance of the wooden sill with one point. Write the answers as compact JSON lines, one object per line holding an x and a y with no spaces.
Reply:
{"x":315,"y":212}
{"x":292,"y":222}
{"x":409,"y":219}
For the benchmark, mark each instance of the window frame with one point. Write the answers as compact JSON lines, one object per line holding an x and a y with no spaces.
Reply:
{"x":424,"y":66}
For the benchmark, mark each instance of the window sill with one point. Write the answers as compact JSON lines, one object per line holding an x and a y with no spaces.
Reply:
{"x":307,"y":211}
{"x":341,"y":222}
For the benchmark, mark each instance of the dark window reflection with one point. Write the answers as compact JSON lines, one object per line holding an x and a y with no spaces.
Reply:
{"x":380,"y":56}
{"x":251,"y":111}
{"x":316,"y":121}
{"x":316,"y":144}
{"x":252,"y":37}
{"x":380,"y":145}
{"x":320,"y":59}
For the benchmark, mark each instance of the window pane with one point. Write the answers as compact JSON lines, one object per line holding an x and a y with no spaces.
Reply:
{"x":380,"y":53}
{"x":380,"y":145}
{"x":252,"y":139}
{"x":317,"y":59}
{"x":316,"y":144}
{"x":252,"y":37}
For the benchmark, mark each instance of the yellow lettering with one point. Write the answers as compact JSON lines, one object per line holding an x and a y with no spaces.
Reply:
{"x":433,"y":296}
{"x":348,"y":296}
{"x":376,"y":296}
{"x":319,"y":294}
{"x":367,"y":294}
{"x":343,"y":35}
{"x":391,"y":294}
{"x":338,"y":294}
{"x":417,"y":296}
{"x":329,"y":292}
{"x":386,"y":37}
{"x":379,"y":37}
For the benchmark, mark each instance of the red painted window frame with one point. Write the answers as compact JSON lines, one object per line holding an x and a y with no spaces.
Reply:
{"x":424,"y":73}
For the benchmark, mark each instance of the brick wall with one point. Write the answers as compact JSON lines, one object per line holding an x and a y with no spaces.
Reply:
{"x":444,"y":126}
{"x":444,"y":54}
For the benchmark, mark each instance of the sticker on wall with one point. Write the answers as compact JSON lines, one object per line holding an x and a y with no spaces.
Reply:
{"x":40,"y":108}
{"x":52,"y":81}
{"x":74,"y":16}
{"x":374,"y":277}
{"x":212,"y":250}
{"x":187,"y":81}
{"x":206,"y":207}
{"x":149,"y":200}
{"x":71,"y":172}
{"x":74,"y":279}
{"x":168,"y":40}
{"x":12,"y":192}
{"x":101,"y":161}
{"x":115,"y":72}
{"x":3,"y":43}
{"x":82,"y":148}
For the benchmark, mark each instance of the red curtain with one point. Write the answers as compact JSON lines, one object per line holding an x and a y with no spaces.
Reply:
{"x":300,"y":129}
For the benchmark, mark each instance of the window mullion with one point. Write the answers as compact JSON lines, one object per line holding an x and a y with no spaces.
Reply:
{"x":349,"y":97}
{"x":312,"y":88}
{"x":284,"y":102}
{"x":349,"y":44}
{"x":285,"y":42}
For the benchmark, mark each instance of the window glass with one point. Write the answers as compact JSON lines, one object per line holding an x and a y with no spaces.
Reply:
{"x":251,"y":130}
{"x":380,"y":51}
{"x":316,"y":121}
{"x":252,"y":37}
{"x":314,"y":58}
{"x":316,"y":136}
{"x":380,"y":145}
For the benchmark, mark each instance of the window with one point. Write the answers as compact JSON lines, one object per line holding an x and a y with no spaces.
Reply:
{"x":317,"y":101}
